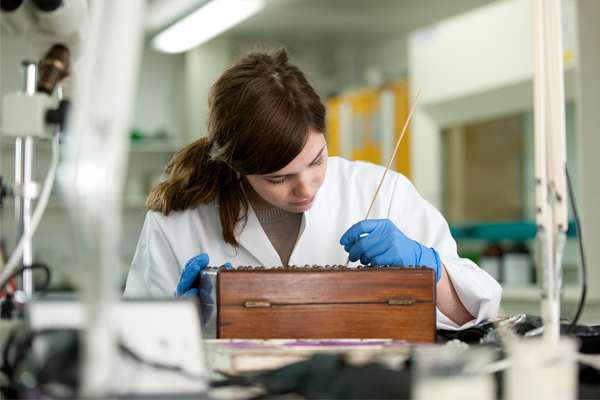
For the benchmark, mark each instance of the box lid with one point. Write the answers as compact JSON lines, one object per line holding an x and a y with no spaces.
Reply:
{"x":280,"y":286}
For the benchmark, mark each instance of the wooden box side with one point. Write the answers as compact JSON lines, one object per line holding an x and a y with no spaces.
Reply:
{"x":413,"y":323}
{"x":325,"y":287}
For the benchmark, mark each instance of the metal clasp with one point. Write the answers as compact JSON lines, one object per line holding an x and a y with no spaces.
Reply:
{"x":257,"y":304}
{"x":400,"y":302}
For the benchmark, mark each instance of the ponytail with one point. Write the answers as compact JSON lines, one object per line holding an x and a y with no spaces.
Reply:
{"x":195,"y":179}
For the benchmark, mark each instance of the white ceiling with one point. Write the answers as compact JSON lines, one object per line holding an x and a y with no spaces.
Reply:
{"x":339,"y":21}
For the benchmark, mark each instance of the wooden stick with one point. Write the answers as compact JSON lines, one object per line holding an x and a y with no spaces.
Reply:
{"x":390,"y":163}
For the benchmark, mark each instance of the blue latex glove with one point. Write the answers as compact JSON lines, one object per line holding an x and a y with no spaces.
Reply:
{"x":385,"y":244}
{"x":188,"y":282}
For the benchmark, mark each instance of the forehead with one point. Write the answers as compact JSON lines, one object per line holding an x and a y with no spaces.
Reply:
{"x":311,"y":150}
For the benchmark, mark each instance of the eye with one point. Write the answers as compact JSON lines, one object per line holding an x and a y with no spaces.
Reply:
{"x":317,"y":162}
{"x":275,"y":183}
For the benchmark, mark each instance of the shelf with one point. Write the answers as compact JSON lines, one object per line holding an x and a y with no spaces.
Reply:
{"x":40,"y":144}
{"x":55,"y":203}
{"x":154,"y":146}
{"x":518,"y":231}
{"x":138,"y":146}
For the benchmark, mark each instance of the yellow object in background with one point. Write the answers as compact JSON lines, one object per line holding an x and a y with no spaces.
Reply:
{"x":365,"y":125}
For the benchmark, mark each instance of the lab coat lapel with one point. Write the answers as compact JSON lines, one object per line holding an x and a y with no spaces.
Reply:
{"x":254,"y":239}
{"x":307,"y":249}
{"x":318,"y":239}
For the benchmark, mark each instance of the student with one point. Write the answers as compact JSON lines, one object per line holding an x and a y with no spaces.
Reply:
{"x":260,"y":189}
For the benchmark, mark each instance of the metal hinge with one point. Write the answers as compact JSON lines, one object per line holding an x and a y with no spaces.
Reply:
{"x":257,"y":304}
{"x":400,"y":302}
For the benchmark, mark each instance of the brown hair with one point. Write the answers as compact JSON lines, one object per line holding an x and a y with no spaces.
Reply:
{"x":260,"y":114}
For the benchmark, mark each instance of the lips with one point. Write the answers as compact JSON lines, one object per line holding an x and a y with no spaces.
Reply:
{"x":304,"y":203}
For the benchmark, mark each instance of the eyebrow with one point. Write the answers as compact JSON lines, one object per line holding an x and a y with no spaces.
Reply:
{"x":312,"y":162}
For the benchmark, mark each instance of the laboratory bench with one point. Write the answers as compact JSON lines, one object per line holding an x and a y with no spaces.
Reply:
{"x":365,"y":368}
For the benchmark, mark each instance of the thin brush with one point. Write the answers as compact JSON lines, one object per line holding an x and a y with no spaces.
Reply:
{"x":389,"y":163}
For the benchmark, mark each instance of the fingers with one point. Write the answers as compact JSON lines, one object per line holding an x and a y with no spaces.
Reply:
{"x":379,"y":248}
{"x":387,"y":259}
{"x":188,"y":276}
{"x":400,"y":251}
{"x":190,"y":272}
{"x":206,"y":312}
{"x":189,"y":293}
{"x":357,"y":250}
{"x":382,"y":243}
{"x":362,"y":227}
{"x":206,"y":281}
{"x":205,"y":297}
{"x":372,"y":233}
{"x":200,"y":260}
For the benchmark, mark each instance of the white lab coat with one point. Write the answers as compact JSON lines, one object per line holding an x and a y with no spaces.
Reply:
{"x":168,"y":242}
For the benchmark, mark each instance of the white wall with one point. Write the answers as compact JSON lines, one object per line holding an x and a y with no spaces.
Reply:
{"x":388,"y":58}
{"x":203,"y":65}
{"x":331,"y":68}
{"x":159,"y":103}
{"x":479,"y":66}
{"x":13,"y":51}
{"x":476,"y":66}
{"x":483,"y":51}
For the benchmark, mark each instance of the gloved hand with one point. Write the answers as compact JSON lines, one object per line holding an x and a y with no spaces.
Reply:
{"x":385,"y":244}
{"x":190,"y":274}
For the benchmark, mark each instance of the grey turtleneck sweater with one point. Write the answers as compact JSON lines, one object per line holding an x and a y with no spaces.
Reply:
{"x":282,"y":228}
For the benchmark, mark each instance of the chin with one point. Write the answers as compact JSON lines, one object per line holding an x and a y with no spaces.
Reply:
{"x":299,"y":209}
{"x":306,"y":208}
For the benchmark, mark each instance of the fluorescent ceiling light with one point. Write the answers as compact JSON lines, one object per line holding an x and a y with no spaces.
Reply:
{"x":204,"y":24}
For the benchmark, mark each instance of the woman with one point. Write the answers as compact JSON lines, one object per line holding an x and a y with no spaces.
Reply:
{"x":260,"y":189}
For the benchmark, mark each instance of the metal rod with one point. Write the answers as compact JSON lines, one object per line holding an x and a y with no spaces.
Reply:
{"x":550,"y":158}
{"x":27,"y":75}
{"x":18,"y":182}
{"x":28,"y":180}
{"x":24,"y":175}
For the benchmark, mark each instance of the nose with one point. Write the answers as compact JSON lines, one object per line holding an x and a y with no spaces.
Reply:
{"x":303,"y":188}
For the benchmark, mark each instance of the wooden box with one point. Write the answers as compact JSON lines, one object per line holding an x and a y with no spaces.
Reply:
{"x":395,"y":303}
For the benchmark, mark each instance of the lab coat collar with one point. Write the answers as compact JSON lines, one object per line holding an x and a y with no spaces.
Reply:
{"x":254,"y":239}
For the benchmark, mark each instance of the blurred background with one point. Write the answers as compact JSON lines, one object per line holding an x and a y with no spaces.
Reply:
{"x":469,"y":148}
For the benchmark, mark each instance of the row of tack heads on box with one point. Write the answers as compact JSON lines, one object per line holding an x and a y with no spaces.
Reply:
{"x":312,"y":267}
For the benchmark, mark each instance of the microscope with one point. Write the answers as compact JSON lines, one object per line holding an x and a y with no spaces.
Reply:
{"x":54,"y":31}
{"x":82,"y":90}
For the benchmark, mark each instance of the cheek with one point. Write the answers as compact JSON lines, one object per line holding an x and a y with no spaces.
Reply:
{"x":321,"y":175}
{"x":273,"y":192}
